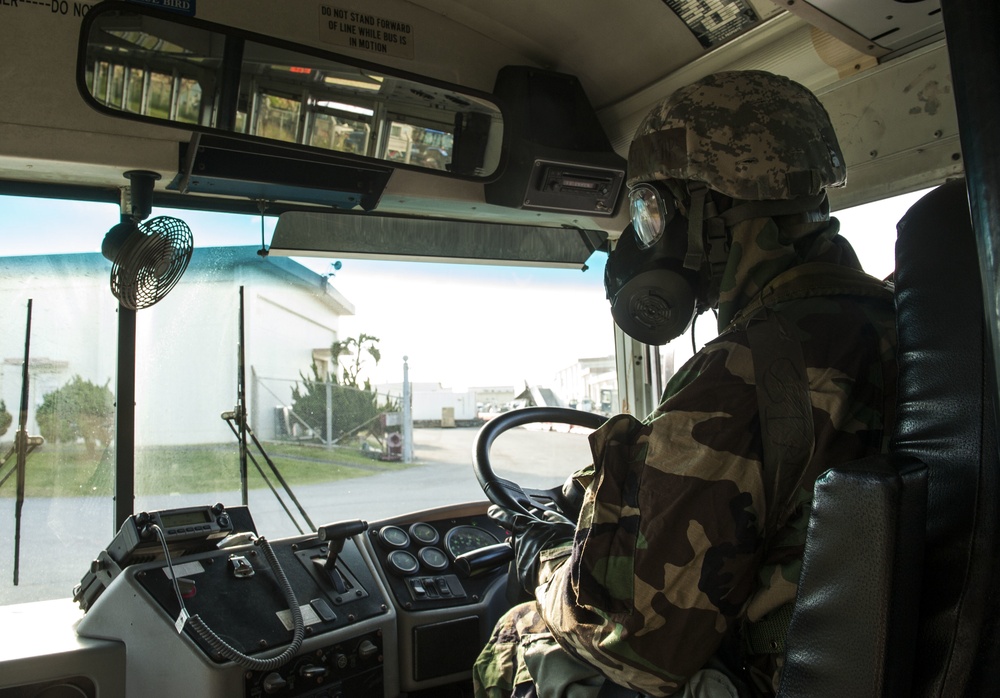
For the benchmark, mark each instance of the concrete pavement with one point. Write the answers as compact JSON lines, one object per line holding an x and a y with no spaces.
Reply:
{"x":60,"y":536}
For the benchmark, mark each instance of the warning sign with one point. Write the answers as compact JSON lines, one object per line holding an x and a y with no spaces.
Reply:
{"x":365,"y":31}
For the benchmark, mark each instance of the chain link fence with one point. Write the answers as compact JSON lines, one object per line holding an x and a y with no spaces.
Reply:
{"x":319,"y":412}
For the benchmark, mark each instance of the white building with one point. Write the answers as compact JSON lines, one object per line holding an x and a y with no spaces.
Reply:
{"x":431,"y":402}
{"x":494,"y":398}
{"x":186,"y":345}
{"x":589,"y":384}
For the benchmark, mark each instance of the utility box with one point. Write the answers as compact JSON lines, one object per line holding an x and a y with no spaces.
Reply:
{"x":393,"y":442}
{"x":393,"y":446}
{"x":448,"y":417}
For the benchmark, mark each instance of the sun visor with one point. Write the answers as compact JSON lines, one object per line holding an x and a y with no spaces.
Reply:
{"x":371,"y":236}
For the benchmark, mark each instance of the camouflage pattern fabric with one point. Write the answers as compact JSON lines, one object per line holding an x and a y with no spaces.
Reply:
{"x":522,"y":659}
{"x":536,"y":666}
{"x":751,"y":135}
{"x":760,"y":251}
{"x":671,"y":556}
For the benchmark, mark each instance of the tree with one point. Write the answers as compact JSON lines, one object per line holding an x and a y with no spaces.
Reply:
{"x":6,"y":418}
{"x":78,"y":410}
{"x":356,"y":347}
{"x":352,"y":405}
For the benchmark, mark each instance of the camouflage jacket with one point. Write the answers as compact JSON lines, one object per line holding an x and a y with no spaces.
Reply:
{"x":681,"y":539}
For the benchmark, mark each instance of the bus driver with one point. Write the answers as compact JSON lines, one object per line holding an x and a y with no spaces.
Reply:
{"x":682,"y":566}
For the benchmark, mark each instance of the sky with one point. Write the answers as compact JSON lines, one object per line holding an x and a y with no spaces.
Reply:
{"x":459,"y":325}
{"x":470,"y":325}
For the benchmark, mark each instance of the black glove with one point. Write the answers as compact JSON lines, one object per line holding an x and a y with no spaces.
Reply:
{"x":570,"y":498}
{"x":531,"y":536}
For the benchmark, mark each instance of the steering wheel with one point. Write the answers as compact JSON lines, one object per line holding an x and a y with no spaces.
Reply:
{"x":509,"y":495}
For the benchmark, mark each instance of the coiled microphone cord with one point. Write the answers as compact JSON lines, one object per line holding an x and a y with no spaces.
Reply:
{"x":219,"y":645}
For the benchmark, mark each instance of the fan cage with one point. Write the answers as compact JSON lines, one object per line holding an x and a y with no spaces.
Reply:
{"x":151,"y":262}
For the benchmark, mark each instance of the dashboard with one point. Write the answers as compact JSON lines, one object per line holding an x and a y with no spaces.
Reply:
{"x":443,"y":616}
{"x":419,"y":559}
{"x":385,"y":609}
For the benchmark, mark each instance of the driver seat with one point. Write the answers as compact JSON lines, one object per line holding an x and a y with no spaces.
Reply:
{"x":896,"y":595}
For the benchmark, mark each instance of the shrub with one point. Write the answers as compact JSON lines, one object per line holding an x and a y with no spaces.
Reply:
{"x":6,"y":418}
{"x":352,"y":404}
{"x":78,"y":410}
{"x":351,"y":407}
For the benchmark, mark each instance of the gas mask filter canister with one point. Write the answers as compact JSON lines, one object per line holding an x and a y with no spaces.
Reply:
{"x":652,"y":295}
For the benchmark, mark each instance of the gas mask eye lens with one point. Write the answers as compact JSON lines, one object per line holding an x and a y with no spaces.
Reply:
{"x":651,"y":209}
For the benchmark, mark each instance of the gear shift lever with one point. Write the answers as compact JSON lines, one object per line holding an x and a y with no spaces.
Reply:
{"x":337,"y":534}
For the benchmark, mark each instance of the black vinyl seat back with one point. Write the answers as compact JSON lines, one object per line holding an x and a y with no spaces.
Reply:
{"x":946,"y":419}
{"x":883,"y":610}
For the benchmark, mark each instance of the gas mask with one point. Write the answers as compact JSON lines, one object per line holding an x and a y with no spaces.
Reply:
{"x":656,"y":279}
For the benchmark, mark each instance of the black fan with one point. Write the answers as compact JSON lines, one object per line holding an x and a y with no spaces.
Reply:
{"x":149,"y":257}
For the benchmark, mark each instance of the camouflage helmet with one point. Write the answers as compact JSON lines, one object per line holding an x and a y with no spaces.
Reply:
{"x":751,"y":135}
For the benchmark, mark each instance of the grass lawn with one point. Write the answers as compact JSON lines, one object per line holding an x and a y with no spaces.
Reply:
{"x":62,"y":470}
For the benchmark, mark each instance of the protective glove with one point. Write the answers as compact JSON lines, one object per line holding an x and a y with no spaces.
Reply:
{"x":570,"y":498}
{"x":530,"y":537}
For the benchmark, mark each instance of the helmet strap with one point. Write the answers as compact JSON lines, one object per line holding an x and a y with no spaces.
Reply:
{"x":717,"y":237}
{"x":707,"y":237}
{"x":698,"y":191}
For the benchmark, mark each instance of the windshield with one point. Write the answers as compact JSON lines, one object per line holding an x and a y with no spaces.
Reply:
{"x":326,"y":346}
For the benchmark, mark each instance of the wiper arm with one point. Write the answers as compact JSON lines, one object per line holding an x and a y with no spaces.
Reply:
{"x":23,"y":445}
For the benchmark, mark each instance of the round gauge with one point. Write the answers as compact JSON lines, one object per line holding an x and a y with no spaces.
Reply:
{"x":433,"y":559}
{"x":393,"y":537}
{"x":424,"y":533}
{"x":402,"y":562}
{"x":462,"y":539}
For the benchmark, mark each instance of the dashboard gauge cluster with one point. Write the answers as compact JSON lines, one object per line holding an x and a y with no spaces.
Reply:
{"x":410,"y":550}
{"x":419,"y":559}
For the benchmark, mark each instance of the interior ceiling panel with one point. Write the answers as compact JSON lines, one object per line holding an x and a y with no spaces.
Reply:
{"x":884,"y":25}
{"x":650,"y":40}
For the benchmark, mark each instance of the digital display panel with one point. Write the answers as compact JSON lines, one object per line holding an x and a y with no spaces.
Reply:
{"x":185,"y":518}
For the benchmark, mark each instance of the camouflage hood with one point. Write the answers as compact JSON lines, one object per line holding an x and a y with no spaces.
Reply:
{"x":763,"y":248}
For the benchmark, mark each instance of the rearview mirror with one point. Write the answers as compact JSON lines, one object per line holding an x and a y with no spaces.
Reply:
{"x":143,"y":64}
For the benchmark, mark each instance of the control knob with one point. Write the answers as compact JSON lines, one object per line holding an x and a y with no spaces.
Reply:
{"x":274,"y":683}
{"x":367,"y":650}
{"x":313,"y":671}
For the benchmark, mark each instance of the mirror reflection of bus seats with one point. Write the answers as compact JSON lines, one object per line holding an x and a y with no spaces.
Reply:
{"x":175,"y":72}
